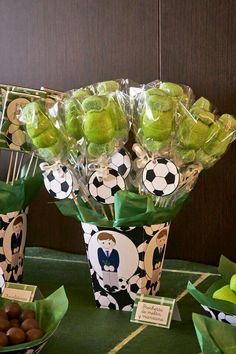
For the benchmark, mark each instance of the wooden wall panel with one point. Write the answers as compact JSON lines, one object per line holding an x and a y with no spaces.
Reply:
{"x":198,"y":48}
{"x":67,"y":44}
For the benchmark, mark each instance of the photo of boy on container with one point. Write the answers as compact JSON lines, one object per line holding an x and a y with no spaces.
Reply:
{"x":16,"y":239}
{"x":109,"y":260}
{"x":158,"y":254}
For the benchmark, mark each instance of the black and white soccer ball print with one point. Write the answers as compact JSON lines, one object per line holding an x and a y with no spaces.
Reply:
{"x":120,"y":162}
{"x":59,"y":183}
{"x":16,"y":137}
{"x":123,"y":283}
{"x":103,"y":299}
{"x":139,"y":283}
{"x":160,"y":177}
{"x":220,"y":316}
{"x":103,"y":190}
{"x":11,"y":273}
{"x":125,"y":228}
{"x":153,"y":229}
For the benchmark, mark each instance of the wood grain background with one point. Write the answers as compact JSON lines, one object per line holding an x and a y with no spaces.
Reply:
{"x":68,"y":44}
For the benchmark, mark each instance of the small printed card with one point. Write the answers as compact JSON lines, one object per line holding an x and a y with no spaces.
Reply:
{"x":19,"y":292}
{"x":154,"y":310}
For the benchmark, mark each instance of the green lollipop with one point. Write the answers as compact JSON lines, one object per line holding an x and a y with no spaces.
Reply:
{"x":203,"y":103}
{"x":94,"y":103}
{"x":172,"y":89}
{"x":155,"y":91}
{"x":44,"y":136}
{"x":73,"y":118}
{"x":98,"y":127}
{"x":226,"y":294}
{"x":175,"y":91}
{"x":97,"y":150}
{"x":192,"y":134}
{"x":186,"y":155}
{"x":221,"y":136}
{"x":107,"y":87}
{"x":81,"y":94}
{"x":204,"y":116}
{"x":117,"y":114}
{"x":157,"y":118}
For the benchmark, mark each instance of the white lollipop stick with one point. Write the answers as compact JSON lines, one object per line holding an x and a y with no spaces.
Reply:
{"x":9,"y":167}
{"x":19,"y":167}
{"x":35,"y":166}
{"x":30,"y":163}
{"x":14,"y":168}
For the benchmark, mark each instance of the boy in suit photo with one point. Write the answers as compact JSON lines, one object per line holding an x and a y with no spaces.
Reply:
{"x":16,"y":239}
{"x":108,"y":258}
{"x":158,"y":254}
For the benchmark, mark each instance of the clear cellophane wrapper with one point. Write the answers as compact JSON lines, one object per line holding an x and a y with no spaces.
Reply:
{"x":168,"y":123}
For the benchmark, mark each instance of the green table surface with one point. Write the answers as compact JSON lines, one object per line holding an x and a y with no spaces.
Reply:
{"x":88,"y":330}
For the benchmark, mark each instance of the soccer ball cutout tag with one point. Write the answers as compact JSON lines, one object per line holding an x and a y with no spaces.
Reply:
{"x":58,"y":182}
{"x":120,"y":162}
{"x":160,"y":177}
{"x":104,"y":189}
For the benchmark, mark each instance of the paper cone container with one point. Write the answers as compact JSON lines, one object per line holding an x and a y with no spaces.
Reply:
{"x":13,"y":228}
{"x":132,"y":266}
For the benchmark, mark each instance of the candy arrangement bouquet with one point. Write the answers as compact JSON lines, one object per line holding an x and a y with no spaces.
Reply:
{"x":20,"y":181}
{"x":125,"y":205}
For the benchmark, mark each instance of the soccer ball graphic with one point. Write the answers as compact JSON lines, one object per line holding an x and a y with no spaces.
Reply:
{"x":120,"y":162}
{"x":125,"y":228}
{"x":103,"y":299}
{"x":220,"y":316}
{"x":153,"y":229}
{"x":16,"y":137}
{"x":139,"y":283}
{"x":127,"y":308}
{"x":225,"y":317}
{"x":104,"y":189}
{"x":123,"y":284}
{"x":160,"y":177}
{"x":58,"y":182}
{"x":89,"y":228}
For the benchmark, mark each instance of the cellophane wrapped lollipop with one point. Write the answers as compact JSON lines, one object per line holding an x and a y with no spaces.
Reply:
{"x":155,"y":111}
{"x":202,"y":135}
{"x":178,"y":139}
{"x":100,"y":114}
{"x":46,"y":136}
{"x":156,"y":115}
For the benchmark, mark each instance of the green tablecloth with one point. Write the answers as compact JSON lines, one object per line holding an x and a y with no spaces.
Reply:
{"x":88,"y":330}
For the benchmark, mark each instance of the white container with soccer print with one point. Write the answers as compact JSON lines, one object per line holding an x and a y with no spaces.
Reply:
{"x":124,"y":262}
{"x":13,"y":228}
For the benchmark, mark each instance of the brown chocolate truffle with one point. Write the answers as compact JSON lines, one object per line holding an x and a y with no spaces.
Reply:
{"x":3,"y":314}
{"x":28,"y":324}
{"x":3,"y":339}
{"x":34,"y":333}
{"x":13,"y":310}
{"x":16,"y":335}
{"x":27,"y":314}
{"x":4,"y":325}
{"x":14,"y":323}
